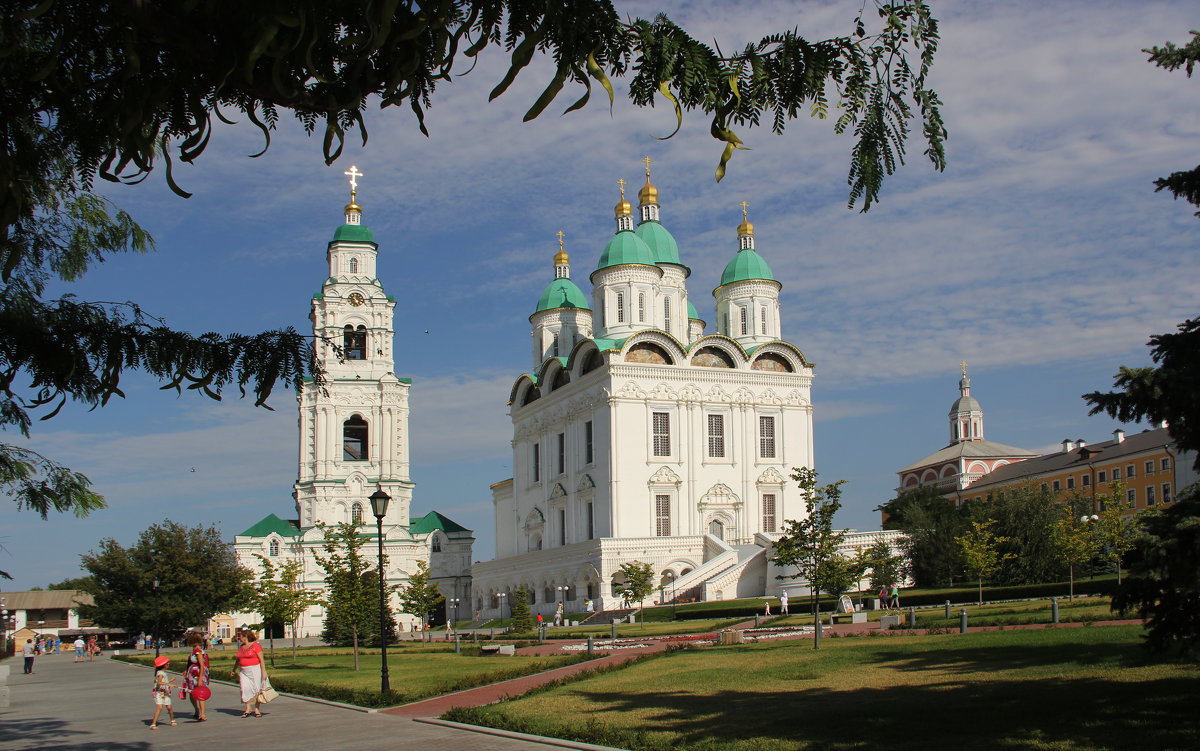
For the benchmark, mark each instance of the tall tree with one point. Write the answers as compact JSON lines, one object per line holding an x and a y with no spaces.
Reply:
{"x":639,"y":583}
{"x":1163,"y":585}
{"x":420,"y":596}
{"x":197,"y":572}
{"x":931,"y":524}
{"x":1184,"y":184}
{"x":280,"y":597}
{"x":1117,"y":526}
{"x":885,"y":566}
{"x":1075,"y":540}
{"x":809,"y":546}
{"x":141,"y":88}
{"x":351,"y":587}
{"x":522,"y":616}
{"x":1024,"y":517}
{"x":980,"y":551}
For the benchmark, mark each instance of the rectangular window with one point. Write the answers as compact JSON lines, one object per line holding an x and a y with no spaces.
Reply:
{"x":1070,"y":483}
{"x":662,"y":515}
{"x":662,"y":433}
{"x":766,"y":437}
{"x":716,"y":436}
{"x":1149,"y":495}
{"x":768,"y":512}
{"x":743,"y":321}
{"x":1165,"y":464}
{"x":1116,"y":473}
{"x":1166,"y":489}
{"x":641,"y":307}
{"x":1130,"y":471}
{"x":1057,"y":486}
{"x":1131,"y":496}
{"x":1150,"y":467}
{"x":588,"y":455}
{"x":537,"y":462}
{"x":1086,"y":480}
{"x":562,"y":526}
{"x":667,"y":314}
{"x":763,"y":319}
{"x":562,"y":453}
{"x":1101,"y":477}
{"x":620,"y":307}
{"x":591,"y":522}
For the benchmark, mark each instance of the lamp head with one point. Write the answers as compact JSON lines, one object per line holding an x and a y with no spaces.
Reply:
{"x":379,"y":503}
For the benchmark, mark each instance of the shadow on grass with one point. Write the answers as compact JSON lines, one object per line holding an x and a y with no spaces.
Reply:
{"x":1077,"y":714}
{"x":49,"y":732}
{"x":990,"y":656}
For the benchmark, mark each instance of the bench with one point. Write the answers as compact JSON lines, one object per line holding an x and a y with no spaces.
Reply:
{"x":849,"y":618}
{"x":507,"y":650}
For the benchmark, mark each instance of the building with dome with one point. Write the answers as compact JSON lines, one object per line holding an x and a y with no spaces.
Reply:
{"x":968,"y":456}
{"x":639,"y":437}
{"x":354,"y":439}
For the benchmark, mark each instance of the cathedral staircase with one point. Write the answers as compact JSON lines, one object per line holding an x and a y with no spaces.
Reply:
{"x":605,"y":617}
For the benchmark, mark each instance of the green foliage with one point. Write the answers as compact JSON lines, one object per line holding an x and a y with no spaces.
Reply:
{"x":79,"y":584}
{"x":1075,"y":540}
{"x":639,"y":583}
{"x":1164,"y":585}
{"x":1169,"y":392}
{"x":522,"y":616}
{"x":979,"y":549}
{"x":1117,"y":527}
{"x":196,"y":569}
{"x":280,"y":597}
{"x":809,"y":546}
{"x":1183,"y":184}
{"x":420,"y":596}
{"x":931,"y":524}
{"x":43,"y":485}
{"x":351,"y":589}
{"x":1023,"y":516}
{"x":884,"y":566}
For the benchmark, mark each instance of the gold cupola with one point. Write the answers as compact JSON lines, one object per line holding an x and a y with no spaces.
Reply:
{"x":562,"y":261}
{"x":623,"y":208}
{"x":745,"y":229}
{"x":353,"y":210}
{"x":648,"y":194}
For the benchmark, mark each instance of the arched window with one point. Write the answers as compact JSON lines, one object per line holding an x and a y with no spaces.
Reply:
{"x":354,"y":440}
{"x":667,"y":314}
{"x":274,"y":548}
{"x":356,"y":513}
{"x":641,"y":307}
{"x":620,"y":307}
{"x":436,"y":545}
{"x":355,"y":342}
{"x":353,"y":265}
{"x":743,"y":321}
{"x":554,"y":346}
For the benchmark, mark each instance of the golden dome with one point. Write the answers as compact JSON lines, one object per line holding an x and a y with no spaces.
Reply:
{"x":623,"y":208}
{"x":648,"y":193}
{"x":353,"y":207}
{"x":561,"y":258}
{"x":745,"y":228}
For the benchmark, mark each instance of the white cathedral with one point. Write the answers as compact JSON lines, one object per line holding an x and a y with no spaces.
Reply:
{"x":636,"y":437}
{"x":354,"y":439}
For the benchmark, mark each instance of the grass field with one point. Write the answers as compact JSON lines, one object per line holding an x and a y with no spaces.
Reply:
{"x":1072,"y":689}
{"x":414,"y":672}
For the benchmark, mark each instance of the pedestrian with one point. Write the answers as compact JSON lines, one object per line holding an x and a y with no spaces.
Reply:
{"x":895,"y":601}
{"x":783,"y":599}
{"x":79,"y":645}
{"x":195,"y":675}
{"x":28,"y":651}
{"x":539,"y":620}
{"x":768,"y":604}
{"x":250,"y":671}
{"x":92,"y":649}
{"x":162,"y":691}
{"x":558,"y":616}
{"x":883,"y":597}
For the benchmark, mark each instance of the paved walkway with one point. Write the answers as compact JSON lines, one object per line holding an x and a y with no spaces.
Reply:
{"x":107,"y":705}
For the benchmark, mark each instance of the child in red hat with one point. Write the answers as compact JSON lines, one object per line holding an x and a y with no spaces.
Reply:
{"x":162,"y":691}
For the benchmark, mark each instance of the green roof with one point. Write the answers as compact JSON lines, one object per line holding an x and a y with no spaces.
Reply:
{"x":606,"y":344}
{"x":353,"y":233}
{"x":626,"y":248}
{"x":433,"y":520}
{"x":562,"y":293}
{"x":746,"y":265}
{"x":269,"y":524}
{"x":692,"y":314}
{"x":664,"y":247}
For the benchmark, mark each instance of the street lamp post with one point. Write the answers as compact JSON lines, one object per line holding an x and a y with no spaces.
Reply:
{"x":379,"y":504}
{"x":156,"y":617}
{"x":1085,"y":519}
{"x":562,"y":605}
{"x":454,"y":606}
{"x":503,"y":596}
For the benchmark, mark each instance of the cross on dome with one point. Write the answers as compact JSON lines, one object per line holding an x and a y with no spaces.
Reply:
{"x":621,"y":182}
{"x":646,"y":160}
{"x":743,"y":204}
{"x":964,"y":368}
{"x":354,"y":175}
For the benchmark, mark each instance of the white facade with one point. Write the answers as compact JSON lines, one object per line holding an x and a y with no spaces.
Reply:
{"x":353,"y":441}
{"x":649,"y":441}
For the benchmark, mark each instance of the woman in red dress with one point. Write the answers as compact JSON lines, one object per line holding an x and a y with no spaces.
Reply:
{"x":251,"y":671}
{"x":195,"y":674}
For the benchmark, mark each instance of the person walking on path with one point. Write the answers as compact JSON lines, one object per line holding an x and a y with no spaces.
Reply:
{"x":783,"y":599}
{"x":195,"y":675}
{"x":28,"y":652}
{"x":895,"y":601}
{"x":79,"y":645}
{"x":250,"y":671}
{"x":162,"y":691}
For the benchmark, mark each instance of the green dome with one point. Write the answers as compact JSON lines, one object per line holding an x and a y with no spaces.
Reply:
{"x":626,"y":247}
{"x":353,"y":233}
{"x":664,"y":247}
{"x":692,"y":311}
{"x":746,"y":265}
{"x":561,"y":293}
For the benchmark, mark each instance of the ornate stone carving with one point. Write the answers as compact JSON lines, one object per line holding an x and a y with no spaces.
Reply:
{"x":770,"y":477}
{"x":664,"y":476}
{"x":717,"y":394}
{"x":719,"y":494}
{"x":630,"y":391}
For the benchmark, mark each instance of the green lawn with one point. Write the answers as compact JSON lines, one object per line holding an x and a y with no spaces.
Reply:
{"x":1068,"y":688}
{"x":414,"y":672}
{"x":1081,"y":610}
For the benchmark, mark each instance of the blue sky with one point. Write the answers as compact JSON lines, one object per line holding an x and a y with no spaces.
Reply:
{"x":1041,"y":256}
